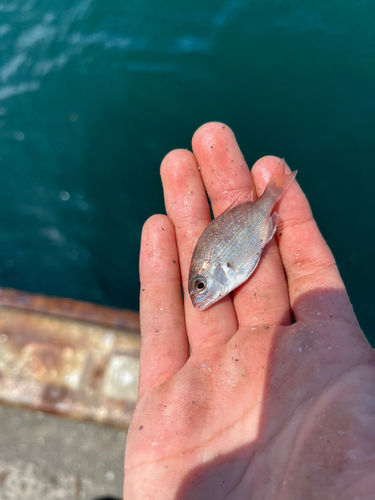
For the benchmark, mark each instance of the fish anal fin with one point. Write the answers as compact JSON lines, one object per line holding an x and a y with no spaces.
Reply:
{"x":274,"y":220}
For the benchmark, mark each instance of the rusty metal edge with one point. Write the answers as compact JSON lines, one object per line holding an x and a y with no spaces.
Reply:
{"x":70,"y":308}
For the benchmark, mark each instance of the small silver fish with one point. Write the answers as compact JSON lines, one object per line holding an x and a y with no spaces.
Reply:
{"x":230,"y":247}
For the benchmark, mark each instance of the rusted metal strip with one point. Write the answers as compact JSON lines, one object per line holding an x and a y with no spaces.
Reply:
{"x":69,"y":308}
{"x":67,"y":366}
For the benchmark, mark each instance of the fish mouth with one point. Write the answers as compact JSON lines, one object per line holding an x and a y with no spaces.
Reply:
{"x":200,"y":307}
{"x":201,"y":303}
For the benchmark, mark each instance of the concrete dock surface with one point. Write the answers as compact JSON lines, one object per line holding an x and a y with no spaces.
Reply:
{"x":69,"y":381}
{"x":44,"y":457}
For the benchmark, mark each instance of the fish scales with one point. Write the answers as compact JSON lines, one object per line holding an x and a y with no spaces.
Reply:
{"x":229,"y":249}
{"x":234,"y":230}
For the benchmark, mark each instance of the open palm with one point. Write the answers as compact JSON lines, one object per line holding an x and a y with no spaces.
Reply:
{"x":269,"y":393}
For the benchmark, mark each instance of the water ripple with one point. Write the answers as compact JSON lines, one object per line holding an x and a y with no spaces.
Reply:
{"x":21,"y":88}
{"x":41,"y":68}
{"x":34,"y":35}
{"x":8,"y":8}
{"x":4,"y":29}
{"x":102,"y":38}
{"x":227,"y":13}
{"x":304,"y":20}
{"x":11,"y":67}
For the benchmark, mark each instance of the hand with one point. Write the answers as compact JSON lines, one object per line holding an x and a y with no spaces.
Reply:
{"x":276,"y":398}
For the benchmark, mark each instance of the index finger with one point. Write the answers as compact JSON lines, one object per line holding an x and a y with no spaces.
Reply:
{"x":186,"y":205}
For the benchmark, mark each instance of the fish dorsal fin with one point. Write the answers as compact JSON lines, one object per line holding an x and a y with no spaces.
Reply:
{"x":244,"y":197}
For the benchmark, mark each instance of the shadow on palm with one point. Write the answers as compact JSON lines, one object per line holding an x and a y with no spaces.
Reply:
{"x":308,"y":423}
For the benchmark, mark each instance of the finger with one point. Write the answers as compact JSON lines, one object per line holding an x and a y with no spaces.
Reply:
{"x":164,"y":346}
{"x":187,"y":207}
{"x":309,"y":264}
{"x":223,"y":168}
{"x":263,"y":298}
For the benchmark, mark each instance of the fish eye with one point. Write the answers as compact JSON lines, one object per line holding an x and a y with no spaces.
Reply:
{"x":200,"y":284}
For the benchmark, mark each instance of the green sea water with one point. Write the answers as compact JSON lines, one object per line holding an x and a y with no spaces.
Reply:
{"x":94,"y":93}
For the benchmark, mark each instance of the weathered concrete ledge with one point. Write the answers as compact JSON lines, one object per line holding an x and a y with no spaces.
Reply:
{"x":68,"y":357}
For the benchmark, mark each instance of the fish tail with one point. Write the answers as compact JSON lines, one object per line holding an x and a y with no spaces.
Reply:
{"x":279,"y":182}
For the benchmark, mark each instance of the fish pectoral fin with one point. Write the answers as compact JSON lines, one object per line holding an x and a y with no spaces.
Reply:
{"x":274,"y":220}
{"x":231,"y":271}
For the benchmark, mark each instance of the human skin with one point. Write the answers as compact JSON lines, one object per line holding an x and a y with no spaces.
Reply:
{"x":270,"y":392}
